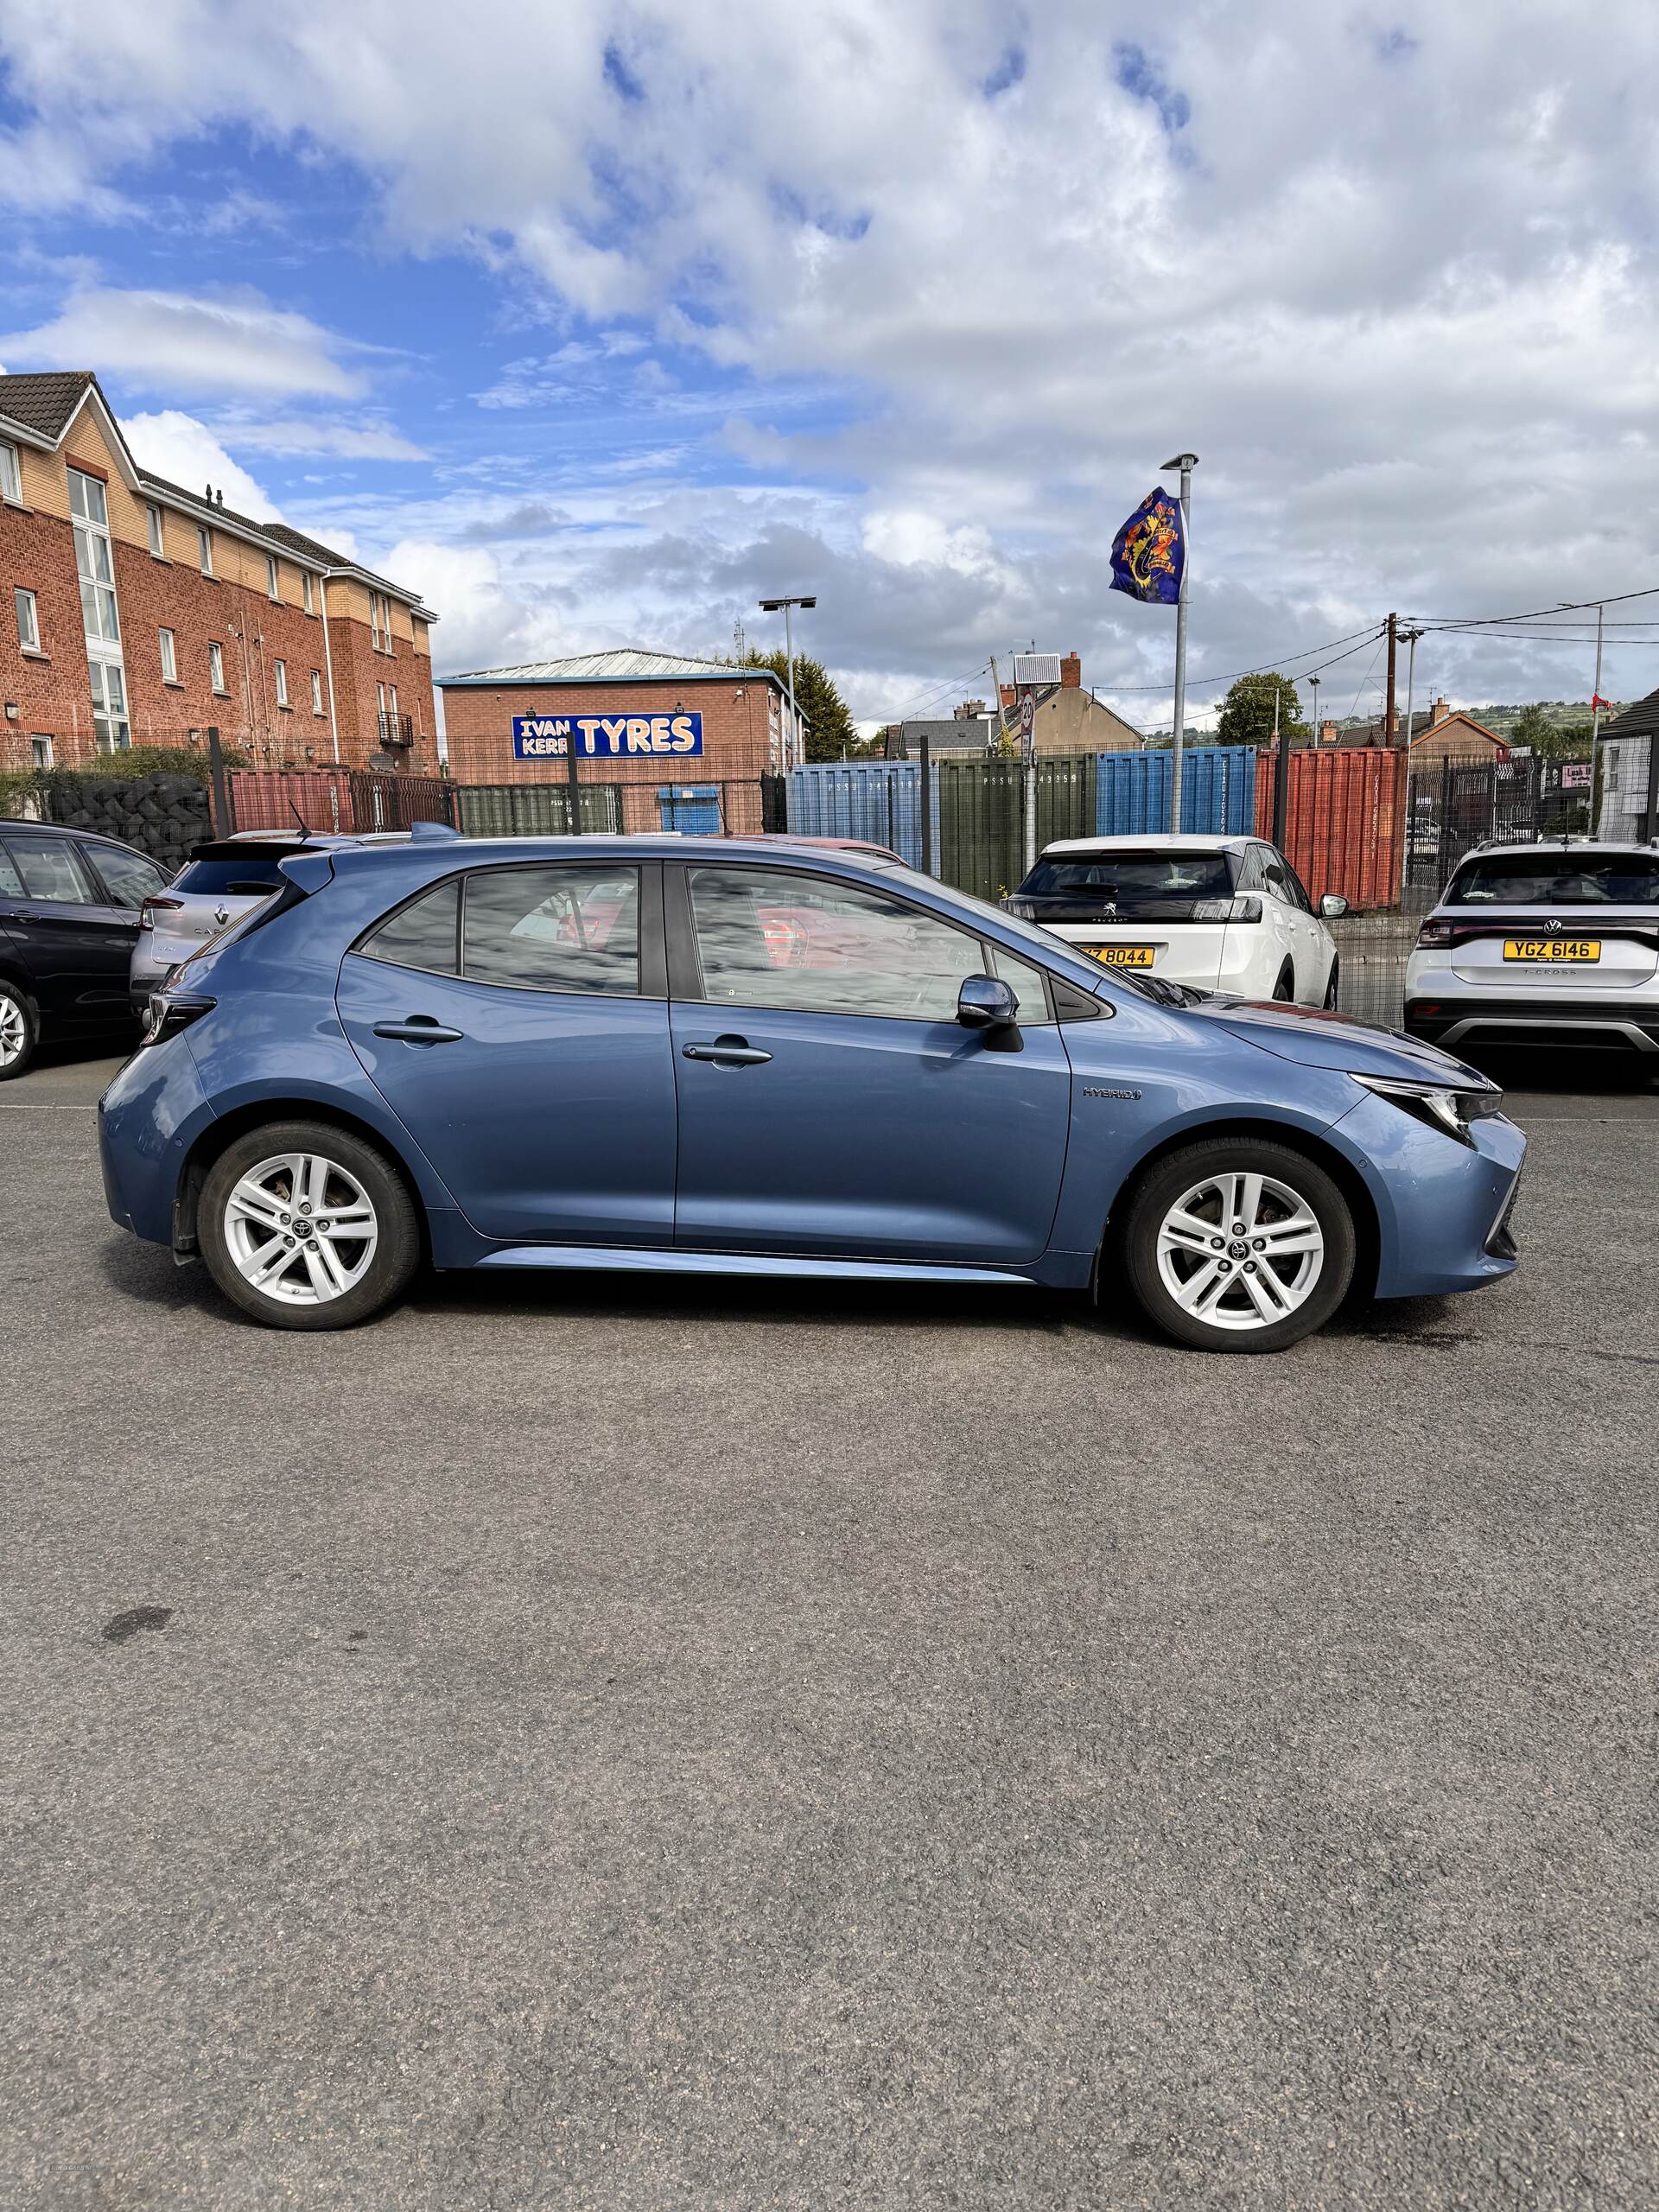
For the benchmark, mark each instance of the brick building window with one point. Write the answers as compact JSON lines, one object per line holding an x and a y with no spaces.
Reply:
{"x":89,"y":510}
{"x":29,"y":622}
{"x":306,"y":585}
{"x":316,"y":690}
{"x":204,"y":550}
{"x":11,"y":481}
{"x":40,"y":752}
{"x":153,"y":524}
{"x":281,"y":682}
{"x":112,"y":733}
{"x":169,"y":657}
{"x":273,"y":577}
{"x":216,"y":668}
{"x":380,"y":621}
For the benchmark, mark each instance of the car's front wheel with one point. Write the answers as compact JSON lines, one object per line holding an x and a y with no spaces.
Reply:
{"x":306,"y":1226}
{"x":1238,"y":1245}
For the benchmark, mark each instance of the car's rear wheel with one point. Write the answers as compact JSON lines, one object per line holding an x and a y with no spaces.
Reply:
{"x":19,"y":1032}
{"x":1238,"y":1245}
{"x":306,"y":1226}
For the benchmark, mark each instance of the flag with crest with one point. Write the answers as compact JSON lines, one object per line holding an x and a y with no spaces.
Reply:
{"x":1149,"y":552}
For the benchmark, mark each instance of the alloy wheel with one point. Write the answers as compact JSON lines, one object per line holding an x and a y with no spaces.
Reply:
{"x":301,"y":1228}
{"x":1240,"y":1251}
{"x":14,"y":1029}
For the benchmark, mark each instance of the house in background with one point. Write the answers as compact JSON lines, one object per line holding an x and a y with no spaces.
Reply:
{"x":1626,"y":747}
{"x":1069,"y":719}
{"x":140,"y":613}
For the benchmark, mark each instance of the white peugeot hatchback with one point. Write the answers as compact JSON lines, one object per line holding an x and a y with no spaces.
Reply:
{"x":1220,"y":913}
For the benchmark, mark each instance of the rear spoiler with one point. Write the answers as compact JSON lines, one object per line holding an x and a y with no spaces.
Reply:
{"x":307,"y":871}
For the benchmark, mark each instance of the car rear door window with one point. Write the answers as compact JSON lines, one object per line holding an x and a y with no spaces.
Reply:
{"x":129,"y":878}
{"x":557,"y":928}
{"x":50,"y":870}
{"x":812,"y":944}
{"x":425,"y":934}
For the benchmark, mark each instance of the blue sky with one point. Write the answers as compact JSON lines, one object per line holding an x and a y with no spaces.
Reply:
{"x":598,"y":323}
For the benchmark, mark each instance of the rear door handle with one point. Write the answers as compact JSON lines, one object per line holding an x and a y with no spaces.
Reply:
{"x":419,"y":1029}
{"x":727,"y":1052}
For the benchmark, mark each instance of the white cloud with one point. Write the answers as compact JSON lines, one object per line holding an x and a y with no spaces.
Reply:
{"x":1393,"y":277}
{"x":185,"y":452}
{"x":174,"y":342}
{"x":305,"y":436}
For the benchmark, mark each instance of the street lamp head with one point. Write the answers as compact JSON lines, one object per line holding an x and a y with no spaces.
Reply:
{"x":807,"y":602}
{"x":769,"y":606}
{"x":772,"y":606}
{"x":1182,"y":460}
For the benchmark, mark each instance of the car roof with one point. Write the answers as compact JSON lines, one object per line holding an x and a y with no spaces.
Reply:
{"x":659,"y":845}
{"x":8,"y":827}
{"x":1185,"y":842}
{"x":1560,"y":846}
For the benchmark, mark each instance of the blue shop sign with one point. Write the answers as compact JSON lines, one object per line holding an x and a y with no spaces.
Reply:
{"x":605,"y":737}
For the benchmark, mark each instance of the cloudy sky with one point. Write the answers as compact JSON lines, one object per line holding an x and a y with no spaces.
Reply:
{"x":597,"y":321}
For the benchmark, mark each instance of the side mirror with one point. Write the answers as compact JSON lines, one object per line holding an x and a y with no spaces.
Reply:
{"x":986,"y":1002}
{"x":1333,"y":906}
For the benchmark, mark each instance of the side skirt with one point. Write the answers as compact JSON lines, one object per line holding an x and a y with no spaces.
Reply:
{"x":637,"y":1261}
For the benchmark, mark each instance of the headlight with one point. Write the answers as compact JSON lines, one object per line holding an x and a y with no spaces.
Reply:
{"x":1439,"y":1107}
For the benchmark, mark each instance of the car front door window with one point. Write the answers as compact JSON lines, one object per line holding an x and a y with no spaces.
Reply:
{"x":813,"y":945}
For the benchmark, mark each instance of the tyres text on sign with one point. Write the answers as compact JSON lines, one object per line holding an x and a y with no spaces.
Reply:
{"x":605,"y":737}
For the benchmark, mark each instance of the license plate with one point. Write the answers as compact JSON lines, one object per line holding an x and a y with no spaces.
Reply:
{"x":1552,"y":950}
{"x":1120,"y":956}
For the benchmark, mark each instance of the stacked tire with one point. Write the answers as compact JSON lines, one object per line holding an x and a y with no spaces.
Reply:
{"x":163,"y":815}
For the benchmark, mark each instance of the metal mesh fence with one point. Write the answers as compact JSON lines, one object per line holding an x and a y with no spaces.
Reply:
{"x":534,"y":809}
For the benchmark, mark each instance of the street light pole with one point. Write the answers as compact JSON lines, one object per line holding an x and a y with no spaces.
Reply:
{"x":1595,"y":721}
{"x":771,"y":607}
{"x":1186,"y":462}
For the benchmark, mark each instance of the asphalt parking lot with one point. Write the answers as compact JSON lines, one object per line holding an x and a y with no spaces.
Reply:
{"x":592,"y":1744}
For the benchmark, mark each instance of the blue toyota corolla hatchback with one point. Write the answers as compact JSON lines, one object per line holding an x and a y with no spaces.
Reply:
{"x":702,"y":1056}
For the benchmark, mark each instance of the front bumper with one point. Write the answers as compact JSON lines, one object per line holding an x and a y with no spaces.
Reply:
{"x":1444,"y":1207}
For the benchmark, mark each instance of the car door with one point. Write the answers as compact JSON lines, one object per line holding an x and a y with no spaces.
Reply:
{"x":1284,"y":921}
{"x":78,"y":946}
{"x":127,"y":880}
{"x":515,"y":1019}
{"x":829,"y":1101}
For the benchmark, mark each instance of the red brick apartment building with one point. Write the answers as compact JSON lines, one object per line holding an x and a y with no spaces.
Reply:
{"x":630,"y":713}
{"x":137,"y":612}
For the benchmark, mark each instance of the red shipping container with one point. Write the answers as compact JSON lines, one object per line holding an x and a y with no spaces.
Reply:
{"x":1344,"y":821}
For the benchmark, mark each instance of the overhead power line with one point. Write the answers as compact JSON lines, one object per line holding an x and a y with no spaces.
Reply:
{"x":1281,"y":665}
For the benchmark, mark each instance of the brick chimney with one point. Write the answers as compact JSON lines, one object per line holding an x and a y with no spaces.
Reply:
{"x":1439,"y":713}
{"x":1070,"y":673}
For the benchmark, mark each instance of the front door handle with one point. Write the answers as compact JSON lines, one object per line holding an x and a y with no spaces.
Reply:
{"x":727,"y":1052}
{"x":419,"y":1029}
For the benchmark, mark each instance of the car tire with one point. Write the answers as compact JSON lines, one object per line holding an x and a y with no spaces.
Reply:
{"x":1304,"y":1280}
{"x":1284,"y":990}
{"x":317,"y":1214}
{"x":1332,"y":986}
{"x":20,"y":1032}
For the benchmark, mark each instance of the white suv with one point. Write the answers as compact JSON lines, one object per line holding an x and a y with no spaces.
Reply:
{"x":1555,"y":943}
{"x":1222,"y":913}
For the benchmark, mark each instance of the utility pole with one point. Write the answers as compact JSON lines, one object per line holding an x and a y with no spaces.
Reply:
{"x":1186,"y":462}
{"x":1411,"y":637}
{"x":771,"y":607}
{"x":1387,"y":710}
{"x":1281,"y":774}
{"x":1595,"y":723}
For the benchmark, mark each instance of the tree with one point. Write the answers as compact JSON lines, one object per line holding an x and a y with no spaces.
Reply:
{"x":1549,"y":741}
{"x":829,"y":731}
{"x":1246,"y":711}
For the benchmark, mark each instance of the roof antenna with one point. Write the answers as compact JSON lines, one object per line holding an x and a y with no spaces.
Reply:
{"x":304,"y":832}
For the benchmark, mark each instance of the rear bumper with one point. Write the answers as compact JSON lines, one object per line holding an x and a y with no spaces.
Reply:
{"x":1456,"y":1021}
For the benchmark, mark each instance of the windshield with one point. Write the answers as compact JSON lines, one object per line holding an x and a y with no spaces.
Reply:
{"x":215,"y":869}
{"x":1563,"y":879}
